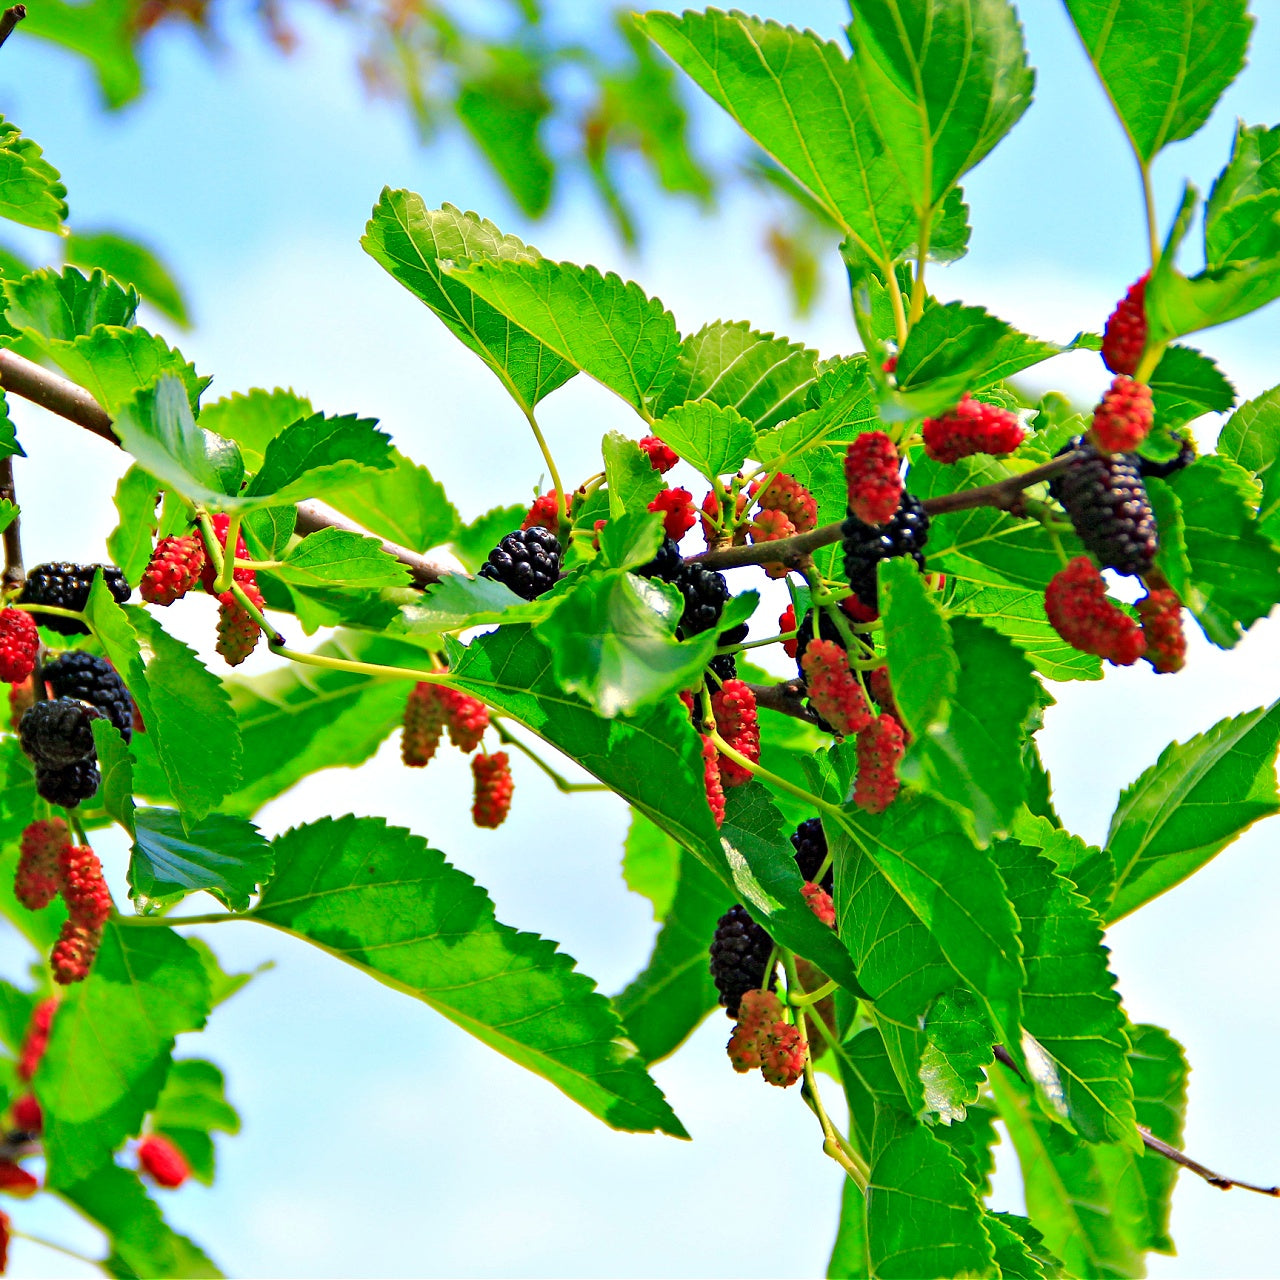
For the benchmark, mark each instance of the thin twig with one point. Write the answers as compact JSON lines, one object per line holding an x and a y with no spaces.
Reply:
{"x":1160,"y":1147}
{"x":13,"y":570}
{"x":786,"y":698}
{"x":10,"y":19}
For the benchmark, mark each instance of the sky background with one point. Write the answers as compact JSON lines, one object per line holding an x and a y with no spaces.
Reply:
{"x":379,"y":1139}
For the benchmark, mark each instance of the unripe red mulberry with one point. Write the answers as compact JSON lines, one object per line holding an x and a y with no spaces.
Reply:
{"x":1125,"y":336}
{"x":238,"y":630}
{"x":882,"y":691}
{"x":734,"y":706}
{"x":819,"y":900}
{"x":544,"y":513}
{"x":782,"y":1054}
{"x":743,"y":1049}
{"x":36,"y":883}
{"x":758,"y":1009}
{"x":834,"y":690}
{"x":873,"y":477}
{"x":36,"y":1040}
{"x":160,"y":1159}
{"x":208,"y":574}
{"x":711,"y":779}
{"x":493,"y":787}
{"x":711,"y":518}
{"x":661,"y":456}
{"x":880,"y":748}
{"x":73,"y":954}
{"x":786,"y":494}
{"x":1122,"y":420}
{"x":676,"y":508}
{"x":466,"y":717}
{"x":1079,"y":611}
{"x":769,"y":526}
{"x":83,"y":889}
{"x":174,"y":568}
{"x":27,"y":1114}
{"x":423,"y":725}
{"x":19,"y":645}
{"x":1161,"y":614}
{"x":971,"y":427}
{"x":16,"y":1181}
{"x":787,"y":622}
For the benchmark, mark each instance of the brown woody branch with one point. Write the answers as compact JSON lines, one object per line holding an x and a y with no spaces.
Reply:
{"x":10,"y":19}
{"x":13,"y":571}
{"x":786,"y":698}
{"x":1218,"y":1180}
{"x":1004,"y":495}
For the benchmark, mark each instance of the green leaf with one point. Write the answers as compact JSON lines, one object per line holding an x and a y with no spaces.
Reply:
{"x":405,"y":504}
{"x":1187,"y":383}
{"x":1192,"y":803}
{"x":132,"y":263}
{"x":954,"y":1058}
{"x":457,"y":602}
{"x":652,"y":759}
{"x":802,"y":100}
{"x":607,"y":327}
{"x":254,"y":418}
{"x":111,"y":1044}
{"x":1251,"y":437}
{"x":632,"y":481}
{"x":922,"y":660}
{"x":1235,"y":569}
{"x":101,"y":31}
{"x":222,"y":855}
{"x":954,"y":349}
{"x":1163,"y":63}
{"x":849,"y":1253}
{"x":1069,"y":1003}
{"x":342,"y":558}
{"x":651,"y":864}
{"x":116,"y":766}
{"x":129,"y":545}
{"x":713,"y":440}
{"x":142,"y":1243}
{"x":31,"y":189}
{"x":1020,"y":1249}
{"x":382,"y":899}
{"x":1160,"y":1091}
{"x":413,"y":243}
{"x":61,"y":306}
{"x":665,"y":1002}
{"x":1242,"y":218}
{"x":923,"y":1216}
{"x":944,"y":82}
{"x":9,"y":446}
{"x":309,"y":456}
{"x":766,"y":379}
{"x":1171,"y":555}
{"x":1089,"y":868}
{"x":192,"y":1105}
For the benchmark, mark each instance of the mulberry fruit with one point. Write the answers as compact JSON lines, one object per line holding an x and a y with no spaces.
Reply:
{"x":880,"y":748}
{"x":493,"y":787}
{"x":84,"y":890}
{"x":1109,"y":508}
{"x":787,"y":623}
{"x":782,"y":1054}
{"x":19,"y":645}
{"x":820,"y":903}
{"x":27,"y":1114}
{"x":58,"y":733}
{"x":466,"y":717}
{"x":757,"y":1012}
{"x":1125,"y":336}
{"x":865,"y":546}
{"x":238,"y":629}
{"x":711,"y":521}
{"x":423,"y":725}
{"x":740,"y":954}
{"x":74,"y":952}
{"x":36,"y":1040}
{"x":35,"y":884}
{"x":744,"y":1049}
{"x":68,"y":785}
{"x":209,"y":572}
{"x":162,"y":1161}
{"x":703,"y":590}
{"x":1123,"y":419}
{"x":66,"y":586}
{"x":1163,"y":470}
{"x":661,"y":457}
{"x":769,"y":526}
{"x":834,"y":691}
{"x":527,"y":561}
{"x":1079,"y":611}
{"x":827,"y":630}
{"x":1161,"y":615}
{"x":16,"y":1181}
{"x":971,"y":427}
{"x":786,"y":494}
{"x":711,"y":780}
{"x":810,"y":843}
{"x":675,"y":506}
{"x":734,"y":706}
{"x":88,"y":678}
{"x":174,"y":568}
{"x":882,"y":692}
{"x":544,"y":513}
{"x":724,"y":666}
{"x":874,"y":478}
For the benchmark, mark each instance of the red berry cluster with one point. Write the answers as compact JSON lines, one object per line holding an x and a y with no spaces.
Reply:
{"x":1161,"y":615}
{"x":711,"y":777}
{"x":433,"y":708}
{"x":834,"y":691}
{"x":971,"y":427}
{"x":718,"y":532}
{"x":734,"y":707}
{"x":787,"y":623}
{"x":19,"y":645}
{"x":36,"y":883}
{"x":820,"y":903}
{"x":1079,"y":611}
{"x":1125,"y":336}
{"x":676,"y":508}
{"x":36,"y":1041}
{"x":544,"y":513}
{"x":769,"y":526}
{"x":176,"y":565}
{"x":872,"y":473}
{"x":879,"y":747}
{"x":493,"y":787}
{"x":661,"y":456}
{"x":162,"y":1161}
{"x":423,"y":725}
{"x":763,"y":1039}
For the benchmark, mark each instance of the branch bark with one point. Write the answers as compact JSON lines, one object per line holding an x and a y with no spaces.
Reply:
{"x":1160,"y":1147}
{"x":13,"y":570}
{"x":10,"y":19}
{"x":787,"y":698}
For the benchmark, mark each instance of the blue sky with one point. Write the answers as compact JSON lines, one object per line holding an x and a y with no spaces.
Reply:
{"x":380,"y":1140}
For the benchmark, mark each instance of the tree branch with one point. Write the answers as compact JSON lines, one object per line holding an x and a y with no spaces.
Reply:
{"x":10,"y":19}
{"x":13,"y":570}
{"x":786,"y":698}
{"x":314,"y":516}
{"x":1003,"y":495}
{"x":1160,"y":1147}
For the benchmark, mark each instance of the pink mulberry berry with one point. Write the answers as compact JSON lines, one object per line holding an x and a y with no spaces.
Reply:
{"x":834,"y":690}
{"x":711,"y":779}
{"x":423,"y":725}
{"x":819,"y":900}
{"x":971,"y":427}
{"x":36,"y":1040}
{"x":786,"y":494}
{"x":174,"y":568}
{"x":1123,"y":419}
{"x":238,"y":630}
{"x":880,"y":748}
{"x":162,"y":1161}
{"x":661,"y":457}
{"x":769,"y":526}
{"x":787,"y":622}
{"x":871,"y":471}
{"x":1161,"y":614}
{"x":19,"y":645}
{"x":711,"y":518}
{"x":676,"y":508}
{"x":36,"y":883}
{"x":74,"y":952}
{"x":782,"y":1054}
{"x":466,"y":717}
{"x":1125,"y":337}
{"x":1078,"y":608}
{"x":734,"y":706}
{"x":544,"y":513}
{"x":493,"y":787}
{"x":83,"y":888}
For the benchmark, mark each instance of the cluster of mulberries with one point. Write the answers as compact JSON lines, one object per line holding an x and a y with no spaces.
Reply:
{"x":835,"y":692}
{"x":661,"y":456}
{"x":904,"y":533}
{"x":1078,"y":609}
{"x":61,"y":585}
{"x":19,"y":645}
{"x":176,"y":565}
{"x":1125,"y":337}
{"x":763,"y":1039}
{"x":873,"y":478}
{"x":675,"y":506}
{"x":880,"y":746}
{"x":734,"y":707}
{"x":721,"y":531}
{"x":711,"y":779}
{"x":544,"y":513}
{"x":1161,"y":615}
{"x":820,"y":903}
{"x":57,"y":738}
{"x":971,"y":427}
{"x":704,"y":592}
{"x":1124,"y":416}
{"x":527,"y":561}
{"x":1107,"y":503}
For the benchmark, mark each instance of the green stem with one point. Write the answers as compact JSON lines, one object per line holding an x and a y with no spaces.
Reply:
{"x":812,"y":997}
{"x":1149,"y":200}
{"x":224,"y":579}
{"x":274,"y":639}
{"x":172,"y":922}
{"x":562,"y":498}
{"x":212,"y":547}
{"x":918,"y":294}
{"x":95,"y":1263}
{"x":773,"y":779}
{"x":361,"y":668}
{"x":895,"y":298}
{"x":51,"y":609}
{"x":755,"y":644}
{"x":562,"y":783}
